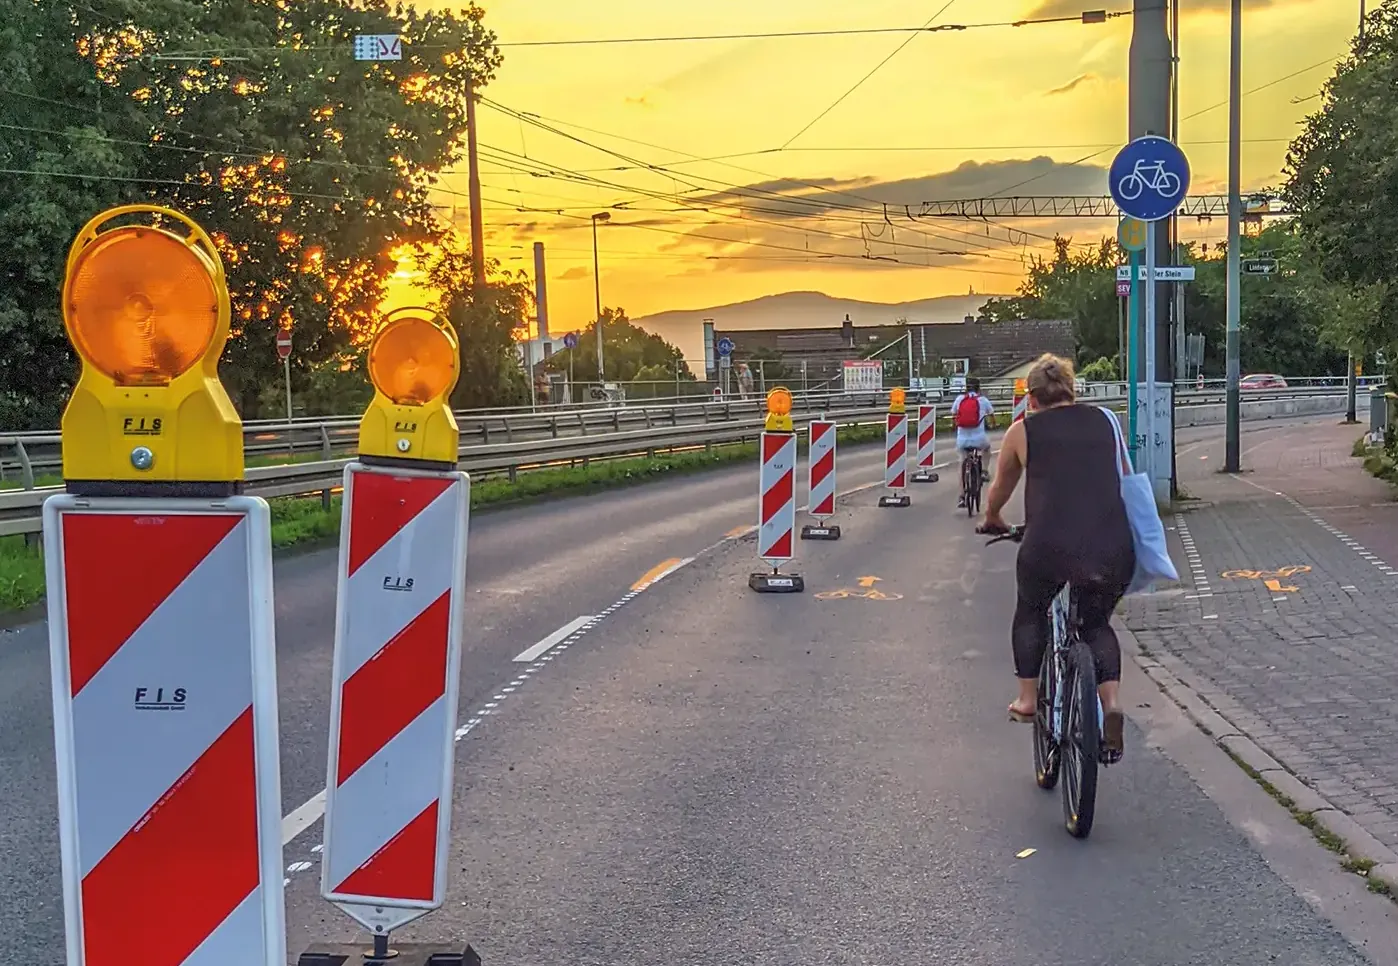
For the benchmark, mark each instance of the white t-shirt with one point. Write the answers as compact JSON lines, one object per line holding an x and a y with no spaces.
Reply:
{"x":975,"y":438}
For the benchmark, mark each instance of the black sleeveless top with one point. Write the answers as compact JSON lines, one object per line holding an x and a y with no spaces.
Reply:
{"x":1076,"y":526}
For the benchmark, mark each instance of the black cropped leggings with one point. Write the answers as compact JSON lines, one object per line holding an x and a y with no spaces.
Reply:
{"x":1096,"y":601}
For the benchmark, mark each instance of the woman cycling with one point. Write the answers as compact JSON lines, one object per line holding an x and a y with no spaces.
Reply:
{"x":1076,"y":530}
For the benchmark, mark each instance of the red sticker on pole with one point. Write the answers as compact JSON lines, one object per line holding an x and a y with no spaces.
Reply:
{"x":283,"y":343}
{"x":402,"y":576}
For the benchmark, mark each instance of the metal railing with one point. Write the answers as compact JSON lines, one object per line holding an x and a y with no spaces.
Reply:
{"x":598,"y":436}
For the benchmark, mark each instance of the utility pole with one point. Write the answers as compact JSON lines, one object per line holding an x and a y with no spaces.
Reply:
{"x":1235,"y":221}
{"x":597,"y":291}
{"x":474,"y":175}
{"x":1351,"y":382}
{"x":1151,"y":66}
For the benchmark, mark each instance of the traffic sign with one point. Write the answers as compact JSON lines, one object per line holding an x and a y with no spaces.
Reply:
{"x":726,"y":346}
{"x":378,"y":47}
{"x":1149,"y":178}
{"x":1131,"y":234}
{"x":283,"y":343}
{"x":1123,"y":289}
{"x":1259,"y":266}
{"x":570,"y":341}
{"x":1163,"y":273}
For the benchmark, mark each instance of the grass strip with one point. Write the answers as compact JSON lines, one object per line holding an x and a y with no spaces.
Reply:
{"x":304,"y":521}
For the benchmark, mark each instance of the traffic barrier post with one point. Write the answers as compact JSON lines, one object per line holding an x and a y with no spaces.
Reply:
{"x":1021,"y":403}
{"x":776,"y":499}
{"x":926,"y":445}
{"x":395,"y":669}
{"x":820,"y":502}
{"x":895,"y":467}
{"x":160,"y":618}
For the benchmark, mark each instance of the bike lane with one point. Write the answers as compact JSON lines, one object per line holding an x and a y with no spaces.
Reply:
{"x":829,"y":777}
{"x":1283,"y":627}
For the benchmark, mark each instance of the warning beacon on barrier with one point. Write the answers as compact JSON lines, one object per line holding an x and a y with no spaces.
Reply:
{"x":776,"y":499}
{"x":1021,"y":401}
{"x":895,"y":464}
{"x":399,"y":613}
{"x":163,"y":662}
{"x":820,"y":503}
{"x":926,"y":445}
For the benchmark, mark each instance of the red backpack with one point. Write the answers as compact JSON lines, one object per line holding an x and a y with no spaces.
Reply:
{"x":968,"y":411}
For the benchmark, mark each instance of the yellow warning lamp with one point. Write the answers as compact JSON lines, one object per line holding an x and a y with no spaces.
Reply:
{"x":146,"y":308}
{"x":414,"y":363}
{"x":1021,"y":387}
{"x":898,"y":401}
{"x":779,"y":411}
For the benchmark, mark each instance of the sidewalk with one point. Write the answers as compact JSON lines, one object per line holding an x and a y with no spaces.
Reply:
{"x":1284,"y":621}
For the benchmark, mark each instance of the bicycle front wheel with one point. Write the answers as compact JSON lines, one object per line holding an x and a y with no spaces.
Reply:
{"x":1082,"y":741}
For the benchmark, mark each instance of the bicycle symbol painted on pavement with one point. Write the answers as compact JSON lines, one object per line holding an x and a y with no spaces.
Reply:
{"x":1265,"y":574}
{"x":1150,"y":175}
{"x":844,"y":593}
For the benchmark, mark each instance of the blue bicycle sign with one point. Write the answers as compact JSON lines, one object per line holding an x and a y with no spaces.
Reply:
{"x":1149,"y":178}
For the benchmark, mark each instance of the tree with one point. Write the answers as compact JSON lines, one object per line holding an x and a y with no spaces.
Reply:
{"x":1073,"y":285}
{"x":1339,"y":180}
{"x":310,"y":169}
{"x":626,"y":350}
{"x":1103,"y":370}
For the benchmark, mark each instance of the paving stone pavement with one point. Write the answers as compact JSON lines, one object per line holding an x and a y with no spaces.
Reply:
{"x":1306,"y":668}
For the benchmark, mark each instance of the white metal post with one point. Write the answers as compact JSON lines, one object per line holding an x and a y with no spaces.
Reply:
{"x":1150,"y":350}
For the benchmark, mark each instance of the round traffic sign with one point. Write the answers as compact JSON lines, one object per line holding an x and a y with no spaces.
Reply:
{"x":1131,"y":234}
{"x":726,"y":346}
{"x":283,"y":343}
{"x":1149,"y":178}
{"x":570,"y":341}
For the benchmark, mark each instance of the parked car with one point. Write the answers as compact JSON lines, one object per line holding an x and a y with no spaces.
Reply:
{"x":1262,"y":380}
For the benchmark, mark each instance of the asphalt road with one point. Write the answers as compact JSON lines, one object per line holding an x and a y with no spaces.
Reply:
{"x":769,"y":787}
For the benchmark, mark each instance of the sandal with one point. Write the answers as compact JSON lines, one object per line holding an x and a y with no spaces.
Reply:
{"x":1113,"y":737}
{"x":1019,"y":717}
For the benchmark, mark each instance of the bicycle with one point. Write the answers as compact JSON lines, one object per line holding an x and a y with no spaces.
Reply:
{"x":1062,"y":733}
{"x":972,"y":477}
{"x":1153,"y":176}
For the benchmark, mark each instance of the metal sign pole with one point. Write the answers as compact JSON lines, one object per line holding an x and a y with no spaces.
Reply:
{"x":1150,"y":460}
{"x":1132,"y":354}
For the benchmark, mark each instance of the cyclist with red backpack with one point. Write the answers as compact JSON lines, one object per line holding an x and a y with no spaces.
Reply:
{"x":969,"y":412}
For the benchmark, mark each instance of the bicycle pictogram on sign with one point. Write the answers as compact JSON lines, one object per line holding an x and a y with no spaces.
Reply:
{"x":1150,"y":175}
{"x":1149,"y":178}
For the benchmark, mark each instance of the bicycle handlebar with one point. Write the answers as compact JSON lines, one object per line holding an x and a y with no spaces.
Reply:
{"x":1014,"y":533}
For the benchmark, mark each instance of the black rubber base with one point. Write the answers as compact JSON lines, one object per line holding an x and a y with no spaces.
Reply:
{"x":812,"y":532}
{"x":902,"y":499}
{"x":777,"y":583}
{"x":401,"y":954}
{"x":925,"y":476}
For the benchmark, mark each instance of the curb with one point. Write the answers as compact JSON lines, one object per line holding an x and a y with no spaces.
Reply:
{"x":1366,"y":855}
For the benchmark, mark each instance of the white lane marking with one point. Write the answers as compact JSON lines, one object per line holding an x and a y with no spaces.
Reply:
{"x":303,"y":817}
{"x":554,"y":639}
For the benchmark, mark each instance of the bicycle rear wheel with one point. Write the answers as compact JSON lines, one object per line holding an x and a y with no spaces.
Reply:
{"x":973,"y":487}
{"x":1082,"y":741}
{"x":1046,"y":750}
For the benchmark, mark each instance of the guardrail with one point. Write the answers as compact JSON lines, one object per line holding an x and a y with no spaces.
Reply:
{"x":20,"y":509}
{"x":28,"y":456}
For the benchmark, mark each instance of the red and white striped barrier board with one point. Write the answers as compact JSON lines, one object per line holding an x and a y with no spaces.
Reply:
{"x":821,"y":454}
{"x":926,"y":437}
{"x":776,"y":504}
{"x":165,"y":722}
{"x":393,"y":704}
{"x":1021,"y":404}
{"x":895,"y":468}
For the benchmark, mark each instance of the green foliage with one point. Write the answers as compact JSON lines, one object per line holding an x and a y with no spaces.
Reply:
{"x":1339,"y":179}
{"x":310,"y":169}
{"x":627,"y":349}
{"x":1103,"y":370}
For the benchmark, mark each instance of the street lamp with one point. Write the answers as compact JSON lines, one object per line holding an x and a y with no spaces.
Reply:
{"x":597,"y":288}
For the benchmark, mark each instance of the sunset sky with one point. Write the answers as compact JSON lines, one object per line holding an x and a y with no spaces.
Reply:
{"x":955,"y":114}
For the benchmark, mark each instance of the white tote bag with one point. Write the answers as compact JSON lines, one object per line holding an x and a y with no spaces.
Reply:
{"x":1147,"y":532}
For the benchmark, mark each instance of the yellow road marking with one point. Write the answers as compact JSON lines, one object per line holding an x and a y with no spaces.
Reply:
{"x":868,"y":581}
{"x":1275,"y":586}
{"x":1025,"y":854}
{"x":739,"y":532}
{"x":651,"y":575}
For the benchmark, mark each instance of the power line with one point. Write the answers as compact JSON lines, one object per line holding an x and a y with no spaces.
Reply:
{"x":859,"y":83}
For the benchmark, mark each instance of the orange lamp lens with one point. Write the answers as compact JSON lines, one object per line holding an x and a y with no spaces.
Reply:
{"x":412,"y":362}
{"x":897,"y":397}
{"x":142,"y":307}
{"x":779,"y":402}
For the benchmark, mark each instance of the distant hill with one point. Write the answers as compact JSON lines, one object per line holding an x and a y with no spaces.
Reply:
{"x":684,"y":328}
